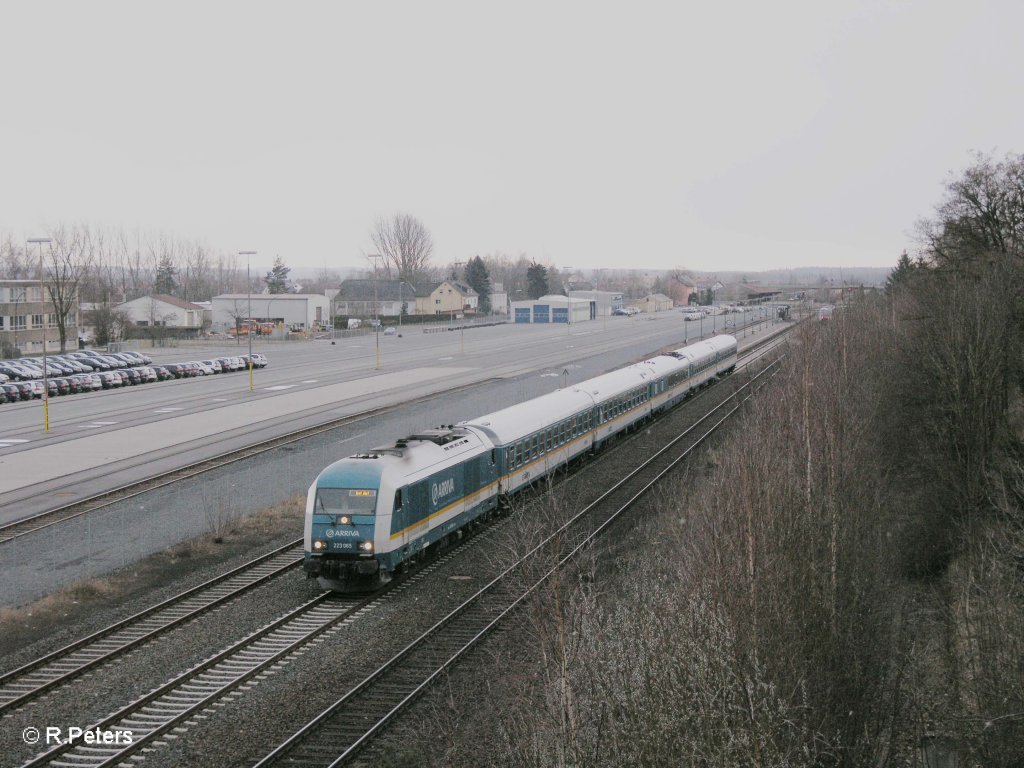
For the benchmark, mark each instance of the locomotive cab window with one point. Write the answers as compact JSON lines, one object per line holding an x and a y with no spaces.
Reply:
{"x":352,"y":501}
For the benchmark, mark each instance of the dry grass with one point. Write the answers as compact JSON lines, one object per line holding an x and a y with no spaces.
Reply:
{"x":25,"y":624}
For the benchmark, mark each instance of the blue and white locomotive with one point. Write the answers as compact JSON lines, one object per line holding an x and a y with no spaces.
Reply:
{"x":368,"y":514}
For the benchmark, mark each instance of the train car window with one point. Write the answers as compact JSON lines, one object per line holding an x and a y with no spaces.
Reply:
{"x":398,"y":500}
{"x":494,"y":457}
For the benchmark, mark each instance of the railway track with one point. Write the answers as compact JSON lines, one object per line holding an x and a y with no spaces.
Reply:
{"x":20,"y":686}
{"x":341,"y":732}
{"x":171,"y":706}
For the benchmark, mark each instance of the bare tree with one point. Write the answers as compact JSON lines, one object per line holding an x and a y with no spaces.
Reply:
{"x":981,"y":217}
{"x":71,"y":254}
{"x":15,"y":262}
{"x":405,"y":244}
{"x":196,"y":281}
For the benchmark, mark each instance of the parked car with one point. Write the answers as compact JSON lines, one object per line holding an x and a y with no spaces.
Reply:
{"x":215,"y":364}
{"x":110,"y":379}
{"x":258,"y":360}
{"x":89,"y":381}
{"x":26,"y":389}
{"x":147,"y":373}
{"x":95,"y":363}
{"x":73,"y":386}
{"x":205,"y":369}
{"x":13,"y":392}
{"x":16,"y":373}
{"x":162,"y":374}
{"x":231,"y":363}
{"x":177,"y":370}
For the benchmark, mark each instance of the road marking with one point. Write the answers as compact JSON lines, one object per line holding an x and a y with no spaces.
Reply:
{"x":442,"y":359}
{"x":105,"y":423}
{"x":278,"y":387}
{"x":310,"y":381}
{"x":12,"y":440}
{"x":168,"y":410}
{"x":220,"y":399}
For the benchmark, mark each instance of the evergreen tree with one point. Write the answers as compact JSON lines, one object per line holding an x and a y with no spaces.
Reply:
{"x":165,"y":283}
{"x":901,"y":274}
{"x":277,"y":278}
{"x":536,"y":280}
{"x":480,"y":281}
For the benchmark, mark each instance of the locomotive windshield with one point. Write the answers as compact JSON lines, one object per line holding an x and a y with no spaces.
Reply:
{"x":352,"y":501}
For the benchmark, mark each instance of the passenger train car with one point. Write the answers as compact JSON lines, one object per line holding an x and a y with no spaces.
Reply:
{"x":368,"y":514}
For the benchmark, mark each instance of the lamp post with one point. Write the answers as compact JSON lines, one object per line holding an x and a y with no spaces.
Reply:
{"x":374,"y":257}
{"x":42,"y":294}
{"x":248,"y":296}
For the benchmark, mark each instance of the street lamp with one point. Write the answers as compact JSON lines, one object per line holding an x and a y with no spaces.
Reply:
{"x":374,"y":257}
{"x":248,"y":296}
{"x":42,"y":294}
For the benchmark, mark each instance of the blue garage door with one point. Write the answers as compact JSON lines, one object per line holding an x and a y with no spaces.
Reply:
{"x":522,"y":314}
{"x":540,"y":313}
{"x":560,"y":314}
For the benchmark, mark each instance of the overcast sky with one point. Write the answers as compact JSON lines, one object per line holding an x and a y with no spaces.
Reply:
{"x":743,"y":135}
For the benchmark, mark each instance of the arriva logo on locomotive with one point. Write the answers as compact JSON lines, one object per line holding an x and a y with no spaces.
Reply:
{"x":442,"y":489}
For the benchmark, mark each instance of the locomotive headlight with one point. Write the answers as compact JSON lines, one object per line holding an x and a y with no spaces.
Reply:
{"x":319,"y":546}
{"x":343,"y":520}
{"x":366,"y":546}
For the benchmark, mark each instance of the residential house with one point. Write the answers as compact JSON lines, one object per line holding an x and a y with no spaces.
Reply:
{"x":448,"y":297}
{"x":654,"y":302}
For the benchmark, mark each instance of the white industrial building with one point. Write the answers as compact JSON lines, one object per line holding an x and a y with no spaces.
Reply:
{"x":554,"y":308}
{"x":163,"y":311}
{"x":605,"y":302}
{"x":298,"y":311}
